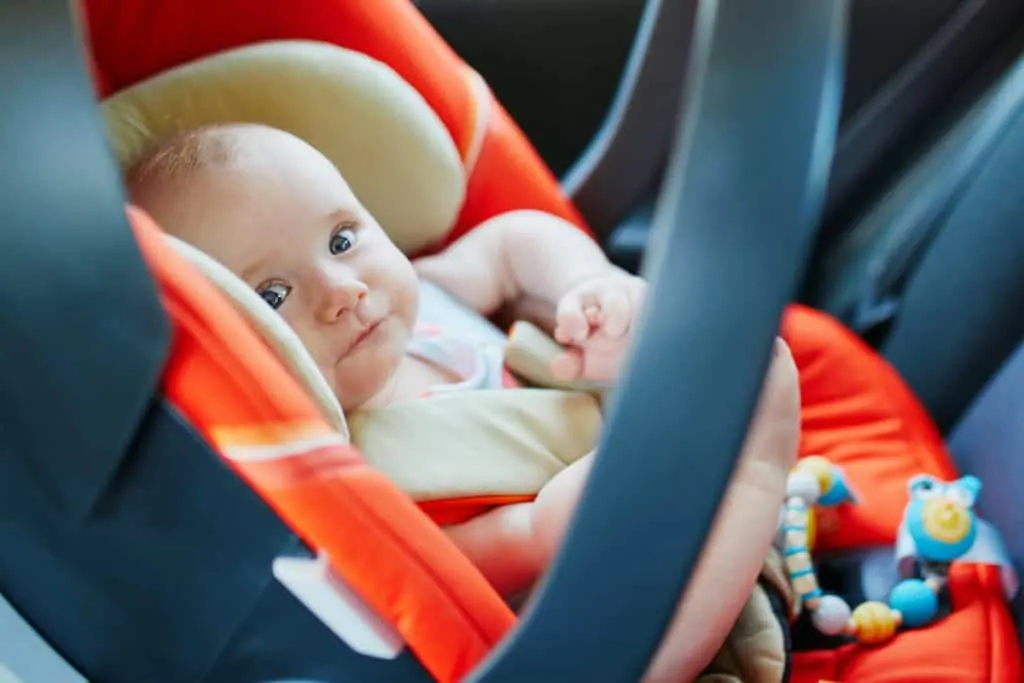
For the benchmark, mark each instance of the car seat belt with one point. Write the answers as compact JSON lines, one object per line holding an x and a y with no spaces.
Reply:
{"x":25,"y":657}
{"x":738,"y":212}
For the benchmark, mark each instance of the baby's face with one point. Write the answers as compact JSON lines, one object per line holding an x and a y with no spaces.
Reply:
{"x":286,"y":222}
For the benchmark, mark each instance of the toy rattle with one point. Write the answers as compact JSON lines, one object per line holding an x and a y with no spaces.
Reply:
{"x":813,"y":481}
{"x":939,"y":526}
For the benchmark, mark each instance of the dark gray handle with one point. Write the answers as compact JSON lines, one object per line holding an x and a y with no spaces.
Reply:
{"x":74,"y":378}
{"x":737,"y":216}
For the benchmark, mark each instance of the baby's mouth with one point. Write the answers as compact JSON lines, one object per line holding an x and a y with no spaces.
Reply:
{"x":361,"y":338}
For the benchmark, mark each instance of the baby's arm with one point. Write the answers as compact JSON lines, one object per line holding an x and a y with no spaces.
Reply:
{"x":520,"y":254}
{"x":513,"y":544}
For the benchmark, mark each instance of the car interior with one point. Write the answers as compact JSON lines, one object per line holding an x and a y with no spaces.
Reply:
{"x":893,"y":135}
{"x":930,"y":95}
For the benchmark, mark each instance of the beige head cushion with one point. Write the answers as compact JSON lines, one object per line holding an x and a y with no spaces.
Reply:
{"x":376,"y":128}
{"x":272,"y":328}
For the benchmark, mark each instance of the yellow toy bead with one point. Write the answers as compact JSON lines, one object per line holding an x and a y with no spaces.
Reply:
{"x":820,"y":467}
{"x":945,"y":521}
{"x":811,"y":528}
{"x":873,"y":622}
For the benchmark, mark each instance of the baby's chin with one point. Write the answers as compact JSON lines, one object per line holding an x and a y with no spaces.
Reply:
{"x":366,"y":382}
{"x":366,"y":377}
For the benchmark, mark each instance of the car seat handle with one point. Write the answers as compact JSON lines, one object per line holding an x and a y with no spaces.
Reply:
{"x":84,"y":335}
{"x":734,"y":226}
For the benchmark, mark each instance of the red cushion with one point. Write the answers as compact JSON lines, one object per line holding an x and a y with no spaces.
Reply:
{"x":858,"y":413}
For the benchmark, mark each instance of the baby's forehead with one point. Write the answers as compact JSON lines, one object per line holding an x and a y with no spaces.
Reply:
{"x":247,"y":146}
{"x":239,"y":190}
{"x":256,"y":220}
{"x":221,"y":147}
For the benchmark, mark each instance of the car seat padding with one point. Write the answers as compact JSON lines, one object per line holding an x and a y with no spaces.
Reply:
{"x":271,"y":328}
{"x":507,"y":174}
{"x":376,"y":129}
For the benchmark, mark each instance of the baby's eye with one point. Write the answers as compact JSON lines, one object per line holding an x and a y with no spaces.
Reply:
{"x":342,"y":240}
{"x":274,"y":294}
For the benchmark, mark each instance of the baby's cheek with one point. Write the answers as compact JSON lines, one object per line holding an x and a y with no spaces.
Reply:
{"x":408,"y":292}
{"x":297,"y":316}
{"x":361,"y":377}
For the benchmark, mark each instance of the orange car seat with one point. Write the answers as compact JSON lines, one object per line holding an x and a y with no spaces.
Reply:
{"x":856,"y":410}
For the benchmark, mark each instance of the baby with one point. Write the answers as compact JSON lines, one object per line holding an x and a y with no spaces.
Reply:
{"x":278,"y":214}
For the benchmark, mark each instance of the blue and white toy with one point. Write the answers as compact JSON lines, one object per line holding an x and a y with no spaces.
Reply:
{"x":939,"y":526}
{"x":940,"y":517}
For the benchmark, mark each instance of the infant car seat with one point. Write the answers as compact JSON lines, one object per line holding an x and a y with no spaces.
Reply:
{"x":182,"y":590}
{"x":502,"y":173}
{"x":448,"y":614}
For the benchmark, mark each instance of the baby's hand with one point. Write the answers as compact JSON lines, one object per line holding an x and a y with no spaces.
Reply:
{"x":595,"y":322}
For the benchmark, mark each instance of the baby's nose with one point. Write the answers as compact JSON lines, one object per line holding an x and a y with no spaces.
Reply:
{"x":341,"y":296}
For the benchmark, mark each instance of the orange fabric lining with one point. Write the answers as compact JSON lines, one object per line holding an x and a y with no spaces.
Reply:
{"x":136,"y":40}
{"x":509,"y":175}
{"x":223,"y":379}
